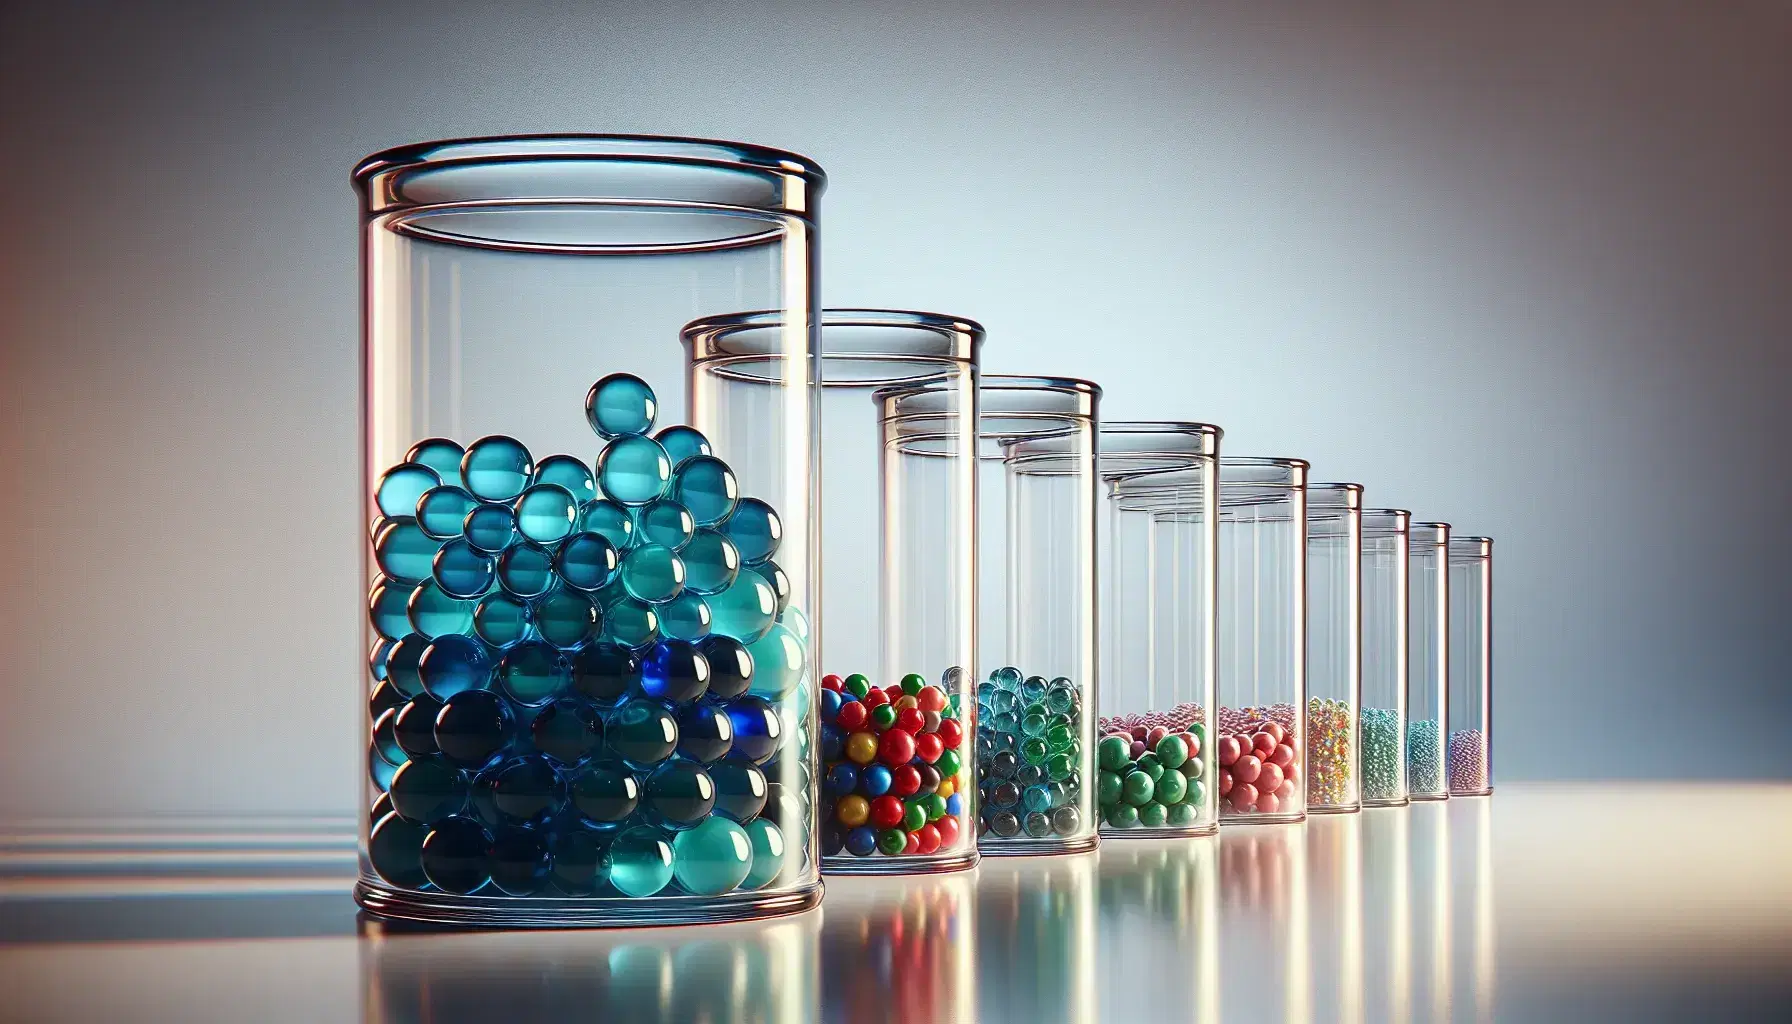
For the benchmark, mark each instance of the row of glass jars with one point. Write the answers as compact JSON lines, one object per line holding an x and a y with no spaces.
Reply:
{"x":597,"y":688}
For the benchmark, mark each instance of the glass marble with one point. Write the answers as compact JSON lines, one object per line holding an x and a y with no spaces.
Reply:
{"x":454,"y":855}
{"x":639,"y":862}
{"x":546,"y":514}
{"x":741,"y":788}
{"x":385,"y":740}
{"x":755,"y":529}
{"x":401,"y":664}
{"x":441,"y":455}
{"x":653,"y":573}
{"x":518,"y":860}
{"x":526,"y":570}
{"x":382,"y":806}
{"x":779,"y":580}
{"x":631,"y":623}
{"x":569,"y":731}
{"x":379,"y":770}
{"x":674,"y":670}
{"x":767,"y":841}
{"x":682,"y":442}
{"x":463,"y":571}
{"x":435,"y":614}
{"x":711,"y":562}
{"x":685,"y":617}
{"x":401,"y":486}
{"x":587,"y":561}
{"x":1007,"y":678}
{"x":746,"y":611}
{"x":454,"y":663}
{"x":1036,"y":798}
{"x":620,"y":404}
{"x":501,"y":619}
{"x":1061,"y":697}
{"x":757,"y":728}
{"x":610,"y":520}
{"x":643,"y":733}
{"x":1029,"y":774}
{"x":533,"y":672}
{"x":386,"y":608}
{"x":414,"y":727}
{"x":779,"y":663}
{"x":678,"y":795}
{"x":576,"y":854}
{"x":403,"y":551}
{"x":1032,"y":689}
{"x":442,"y":511}
{"x":1004,"y":702}
{"x":713,"y":858}
{"x":705,"y":732}
{"x":605,"y":794}
{"x":634,"y":470}
{"x":384,"y":698}
{"x":523,"y":790}
{"x":490,"y":528}
{"x":665,"y":522}
{"x":570,"y":473}
{"x":605,"y":673}
{"x":472,"y":727}
{"x":428,"y":789}
{"x":497,"y":468}
{"x":1032,"y":724}
{"x":395,"y":846}
{"x":1003,"y":764}
{"x":705,"y":485}
{"x":567,"y":618}
{"x":730,"y":665}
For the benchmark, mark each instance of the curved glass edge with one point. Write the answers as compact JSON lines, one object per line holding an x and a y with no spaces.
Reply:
{"x":512,"y":912}
{"x":669,"y":149}
{"x":879,"y":865}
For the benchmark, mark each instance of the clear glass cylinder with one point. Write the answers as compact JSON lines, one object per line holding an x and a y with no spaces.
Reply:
{"x":565,"y":727}
{"x":1383,"y":718}
{"x":1470,"y":754}
{"x":1159,"y":620}
{"x":1261,"y":738}
{"x":1334,"y":646}
{"x":1428,"y":660}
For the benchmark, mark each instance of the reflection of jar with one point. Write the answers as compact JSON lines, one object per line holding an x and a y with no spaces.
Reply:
{"x":754,"y":971}
{"x":1263,"y":890}
{"x":1036,"y":939}
{"x":588,"y":695}
{"x":1159,"y":934}
{"x":899,"y":950}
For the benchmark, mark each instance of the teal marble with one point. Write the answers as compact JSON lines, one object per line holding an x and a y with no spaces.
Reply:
{"x":587,"y":561}
{"x":653,"y":573}
{"x":570,"y":473}
{"x":711,"y":562}
{"x":546,"y":513}
{"x":427,"y":789}
{"x":441,"y":455}
{"x":679,"y":795}
{"x":705,"y":485}
{"x":682,"y":442}
{"x":620,"y":404}
{"x":442,"y":511}
{"x":665,"y":522}
{"x":779,"y":662}
{"x":638,"y":862}
{"x":606,"y":517}
{"x":490,"y":528}
{"x":755,"y":529}
{"x":526,"y":570}
{"x":713,"y":858}
{"x":533,"y":673}
{"x":403,"y":551}
{"x":385,"y":740}
{"x":747,"y":610}
{"x":642,"y":732}
{"x":567,"y":618}
{"x":631,"y":623}
{"x":767,"y":842}
{"x":401,"y":486}
{"x":685,"y":617}
{"x":463,"y":571}
{"x":497,"y":468}
{"x":402,"y":661}
{"x":502,"y":619}
{"x":605,"y":794}
{"x":434,"y":613}
{"x":634,"y":470}
{"x":386,"y":607}
{"x":454,"y":663}
{"x":779,"y":580}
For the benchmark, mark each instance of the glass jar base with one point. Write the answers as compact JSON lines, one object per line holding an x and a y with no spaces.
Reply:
{"x":1027,"y":846}
{"x":1416,"y":797}
{"x":875,"y":865}
{"x":1399,"y":802}
{"x":1208,"y":828}
{"x":1471,"y":792}
{"x":1278,"y":818}
{"x":523,"y":912}
{"x":1333,"y":808}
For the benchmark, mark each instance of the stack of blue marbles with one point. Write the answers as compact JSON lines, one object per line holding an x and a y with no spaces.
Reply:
{"x":588,"y":681}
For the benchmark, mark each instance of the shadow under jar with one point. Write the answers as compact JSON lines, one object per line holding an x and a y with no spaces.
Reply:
{"x":1334,"y":646}
{"x":1383,"y":718}
{"x":1469,"y":757}
{"x":1156,"y":773}
{"x":1428,"y":660}
{"x":569,"y":721}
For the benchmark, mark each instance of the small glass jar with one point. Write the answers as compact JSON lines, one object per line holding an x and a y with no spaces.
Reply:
{"x":1469,"y":759}
{"x":1157,"y":776}
{"x":1428,"y":660}
{"x":1261,"y":736}
{"x":1334,"y":646}
{"x":1383,"y":718}
{"x":577,"y":715}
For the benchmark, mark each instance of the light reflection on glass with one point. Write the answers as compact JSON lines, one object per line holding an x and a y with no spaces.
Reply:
{"x":1431,"y":908}
{"x":899,"y":950}
{"x":1036,"y":939}
{"x":1265,"y":971}
{"x":1159,"y":951}
{"x":1334,"y":860}
{"x":1387,"y":921}
{"x":1471,"y":857}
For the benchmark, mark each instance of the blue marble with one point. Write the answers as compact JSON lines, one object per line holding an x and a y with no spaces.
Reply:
{"x":442,"y":511}
{"x":385,"y":738}
{"x":463,"y":571}
{"x":569,"y":731}
{"x":605,"y":794}
{"x":758,"y":729}
{"x":567,"y":618}
{"x":674,"y":671}
{"x":843,"y":779}
{"x":399,"y":488}
{"x":526,"y":570}
{"x":473,"y":727}
{"x":746,"y":611}
{"x":414,"y":726}
{"x":609,"y":519}
{"x":620,"y":404}
{"x":570,"y":473}
{"x":730,"y":665}
{"x":455,"y":855}
{"x":434,"y":614}
{"x":490,"y":528}
{"x":665,"y":522}
{"x":386,"y":607}
{"x":830,"y":704}
{"x":454,"y":663}
{"x":682,"y":442}
{"x":384,"y":697}
{"x":401,"y":664}
{"x":427,"y":789}
{"x":705,"y":485}
{"x":678,"y":795}
{"x":779,"y":663}
{"x":518,"y":860}
{"x":502,"y":620}
{"x":634,"y":470}
{"x":576,"y":854}
{"x":705,"y":732}
{"x":441,"y":455}
{"x":741,"y":788}
{"x":711,"y":562}
{"x":523,"y":790}
{"x":605,"y":673}
{"x":631,"y":623}
{"x":755,"y":530}
{"x":653,"y":573}
{"x":546,"y":514}
{"x":497,"y":468}
{"x":395,"y":848}
{"x":587,"y":561}
{"x":533,"y":673}
{"x":379,"y":770}
{"x":403,"y":551}
{"x":861,"y":841}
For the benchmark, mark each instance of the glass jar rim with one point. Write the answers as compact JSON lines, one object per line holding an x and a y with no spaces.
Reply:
{"x":598,"y":146}
{"x":858,"y":348}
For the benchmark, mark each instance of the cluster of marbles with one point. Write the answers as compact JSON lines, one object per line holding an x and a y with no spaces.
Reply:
{"x":1383,"y":777}
{"x":1151,"y":777}
{"x":1260,"y":760}
{"x":1029,"y":756}
{"x":1424,"y":759}
{"x":1468,"y":762}
{"x":587,"y":682}
{"x":1178,"y":719}
{"x":1331,"y":727}
{"x":893,"y":781}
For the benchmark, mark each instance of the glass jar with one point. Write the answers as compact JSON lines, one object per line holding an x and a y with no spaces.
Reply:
{"x":897,"y":709}
{"x":1469,"y":758}
{"x":1383,"y":719}
{"x":1261,"y":735}
{"x":1159,"y":619}
{"x":1334,"y":646}
{"x":572,"y":718}
{"x":1428,"y":661}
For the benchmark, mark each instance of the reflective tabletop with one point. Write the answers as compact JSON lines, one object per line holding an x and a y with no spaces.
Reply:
{"x":1539,"y":903}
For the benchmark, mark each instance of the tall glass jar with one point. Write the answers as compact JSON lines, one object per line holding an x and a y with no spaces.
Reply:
{"x":1157,"y":776}
{"x":897,"y":564}
{"x":1428,"y":639}
{"x":1334,"y":646}
{"x":1261,"y":739}
{"x":570,"y":720}
{"x":1383,"y":724}
{"x":1470,"y":753}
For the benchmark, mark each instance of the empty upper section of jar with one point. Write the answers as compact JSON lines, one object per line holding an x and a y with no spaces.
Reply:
{"x":859,"y":348}
{"x":1386,"y":522}
{"x":1470,"y":549}
{"x":1042,"y":425}
{"x":1129,"y":448}
{"x":1429,"y":535}
{"x":1333,"y":500}
{"x":590,"y":194}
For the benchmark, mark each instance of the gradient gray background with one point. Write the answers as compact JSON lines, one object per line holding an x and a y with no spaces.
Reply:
{"x":1519,"y":266}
